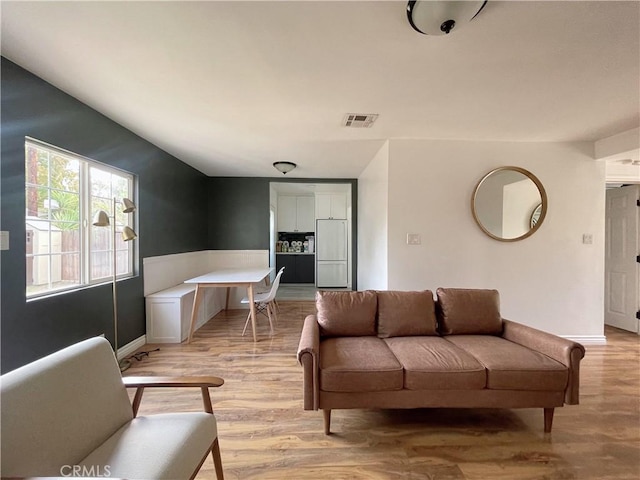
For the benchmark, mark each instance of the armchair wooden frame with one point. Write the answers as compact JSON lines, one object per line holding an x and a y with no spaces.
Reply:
{"x":204,"y":383}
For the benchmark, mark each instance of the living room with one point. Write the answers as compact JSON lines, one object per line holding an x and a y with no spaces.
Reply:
{"x":415,"y":170}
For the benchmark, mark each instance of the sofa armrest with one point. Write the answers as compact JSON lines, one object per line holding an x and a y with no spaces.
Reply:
{"x":309,"y":358}
{"x":565,"y":351}
{"x":140,"y":383}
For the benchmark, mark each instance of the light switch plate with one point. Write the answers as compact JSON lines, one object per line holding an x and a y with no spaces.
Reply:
{"x":4,"y":240}
{"x":414,"y":239}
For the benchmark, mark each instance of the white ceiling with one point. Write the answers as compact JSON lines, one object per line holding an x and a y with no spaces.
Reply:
{"x":231,"y":87}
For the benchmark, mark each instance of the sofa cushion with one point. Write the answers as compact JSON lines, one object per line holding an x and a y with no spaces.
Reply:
{"x":402,"y":314}
{"x":358,"y":364}
{"x":346,"y":314}
{"x":432,"y":363}
{"x":511,"y":366}
{"x":469,"y":311}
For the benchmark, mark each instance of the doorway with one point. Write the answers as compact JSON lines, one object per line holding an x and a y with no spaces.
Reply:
{"x":314,"y":195}
{"x":622,"y":252}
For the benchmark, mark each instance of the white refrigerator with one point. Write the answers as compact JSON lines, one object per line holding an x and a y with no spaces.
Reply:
{"x":331,"y":253}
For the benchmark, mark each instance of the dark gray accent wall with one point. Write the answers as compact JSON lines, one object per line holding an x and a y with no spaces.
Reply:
{"x":238,"y":213}
{"x":171,"y":198}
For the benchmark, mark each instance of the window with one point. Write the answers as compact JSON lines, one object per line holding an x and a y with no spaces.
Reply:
{"x":63,"y":193}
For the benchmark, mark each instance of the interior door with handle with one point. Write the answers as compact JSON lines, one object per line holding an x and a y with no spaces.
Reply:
{"x":622,"y":247}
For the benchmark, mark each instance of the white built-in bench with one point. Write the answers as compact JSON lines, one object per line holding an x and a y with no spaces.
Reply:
{"x":169,"y":301}
{"x":167,"y":306}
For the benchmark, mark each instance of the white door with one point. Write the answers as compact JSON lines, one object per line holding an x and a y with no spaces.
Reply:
{"x":622,"y":285}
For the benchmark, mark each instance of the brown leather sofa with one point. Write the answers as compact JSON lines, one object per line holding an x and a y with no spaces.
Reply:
{"x":391,"y":349}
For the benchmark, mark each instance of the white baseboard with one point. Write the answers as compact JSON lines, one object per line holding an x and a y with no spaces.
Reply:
{"x":587,"y":339}
{"x":131,"y":347}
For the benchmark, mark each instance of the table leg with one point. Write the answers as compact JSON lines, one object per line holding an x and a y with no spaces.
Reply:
{"x":252,"y":309}
{"x":226,"y":304}
{"x":194,"y":311}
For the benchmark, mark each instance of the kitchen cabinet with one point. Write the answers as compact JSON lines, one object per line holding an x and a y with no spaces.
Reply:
{"x":296,"y":213}
{"x":305,"y":268}
{"x":298,"y":268}
{"x":331,"y":206}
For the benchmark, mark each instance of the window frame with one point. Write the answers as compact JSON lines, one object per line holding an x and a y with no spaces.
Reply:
{"x":86,"y":230}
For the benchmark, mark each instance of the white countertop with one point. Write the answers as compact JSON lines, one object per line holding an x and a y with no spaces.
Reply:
{"x":295,"y":253}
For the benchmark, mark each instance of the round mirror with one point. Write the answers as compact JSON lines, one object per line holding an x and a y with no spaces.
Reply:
{"x":509,"y":204}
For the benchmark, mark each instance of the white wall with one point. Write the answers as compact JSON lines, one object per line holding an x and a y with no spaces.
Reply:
{"x":373,"y":185}
{"x":166,"y":271}
{"x":550,"y":280}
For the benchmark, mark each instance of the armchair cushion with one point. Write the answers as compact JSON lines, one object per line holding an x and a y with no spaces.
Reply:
{"x":469,"y":311}
{"x":164,"y":446}
{"x":403,"y":314}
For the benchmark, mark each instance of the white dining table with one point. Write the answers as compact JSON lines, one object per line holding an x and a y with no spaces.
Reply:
{"x":228,"y":277}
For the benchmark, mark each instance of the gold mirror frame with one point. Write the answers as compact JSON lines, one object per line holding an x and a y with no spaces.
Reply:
{"x":543,"y":202}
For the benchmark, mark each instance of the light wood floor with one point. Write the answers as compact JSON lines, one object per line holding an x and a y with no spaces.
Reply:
{"x":264,"y":432}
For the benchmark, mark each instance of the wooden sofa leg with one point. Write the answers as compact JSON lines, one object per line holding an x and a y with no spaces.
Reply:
{"x":327,"y":421}
{"x":217,"y":460}
{"x":548,"y":419}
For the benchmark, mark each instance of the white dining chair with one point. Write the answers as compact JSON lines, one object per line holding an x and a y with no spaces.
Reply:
{"x":267,"y":289}
{"x":264,"y":302}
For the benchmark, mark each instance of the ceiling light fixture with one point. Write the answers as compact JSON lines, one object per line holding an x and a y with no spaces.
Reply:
{"x":284,"y":167}
{"x":441,"y":17}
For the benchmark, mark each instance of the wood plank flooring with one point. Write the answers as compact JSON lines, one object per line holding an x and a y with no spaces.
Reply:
{"x":265,"y":434}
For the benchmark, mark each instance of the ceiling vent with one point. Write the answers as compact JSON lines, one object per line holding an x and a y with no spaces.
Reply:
{"x":628,"y":161}
{"x":359,"y":120}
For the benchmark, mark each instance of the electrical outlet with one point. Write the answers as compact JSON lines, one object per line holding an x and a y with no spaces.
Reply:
{"x":587,"y":238}
{"x":414,"y":239}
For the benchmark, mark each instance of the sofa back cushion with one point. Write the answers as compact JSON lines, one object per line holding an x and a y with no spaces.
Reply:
{"x":57,"y":410}
{"x":346,"y":314}
{"x":469,"y":311}
{"x":405,"y":314}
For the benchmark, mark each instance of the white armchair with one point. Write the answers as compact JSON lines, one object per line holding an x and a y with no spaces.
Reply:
{"x":69,"y":413}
